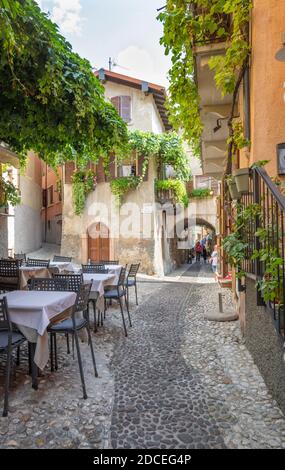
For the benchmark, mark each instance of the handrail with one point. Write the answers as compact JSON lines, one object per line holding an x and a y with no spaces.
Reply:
{"x":273,"y":188}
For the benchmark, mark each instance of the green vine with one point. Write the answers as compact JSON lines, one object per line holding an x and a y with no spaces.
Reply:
{"x":123,"y":185}
{"x":177,"y":187}
{"x":200,"y":193}
{"x":9,"y":194}
{"x":198,"y":22}
{"x":237,"y":138}
{"x":83,"y":182}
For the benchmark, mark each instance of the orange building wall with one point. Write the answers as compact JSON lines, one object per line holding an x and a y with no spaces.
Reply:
{"x":267,"y":82}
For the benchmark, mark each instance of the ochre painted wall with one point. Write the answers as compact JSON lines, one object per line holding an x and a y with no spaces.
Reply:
{"x":267,"y":81}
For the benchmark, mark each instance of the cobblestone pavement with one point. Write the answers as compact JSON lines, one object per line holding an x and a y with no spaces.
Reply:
{"x":177,"y":381}
{"x":185,"y":382}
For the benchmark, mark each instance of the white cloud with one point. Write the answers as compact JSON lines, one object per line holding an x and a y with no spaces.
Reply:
{"x":139,"y":63}
{"x":66,"y":13}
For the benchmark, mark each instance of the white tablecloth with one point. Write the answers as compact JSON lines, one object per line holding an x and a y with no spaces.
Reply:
{"x":28,"y":272}
{"x":99,"y":281}
{"x":61,"y":265}
{"x":35,"y":310}
{"x":114,"y":269}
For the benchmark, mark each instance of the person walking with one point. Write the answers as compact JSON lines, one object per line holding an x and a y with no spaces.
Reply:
{"x":214,"y":259}
{"x":198,"y":250}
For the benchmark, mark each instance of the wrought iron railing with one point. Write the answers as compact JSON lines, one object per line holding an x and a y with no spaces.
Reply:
{"x":264,"y":236}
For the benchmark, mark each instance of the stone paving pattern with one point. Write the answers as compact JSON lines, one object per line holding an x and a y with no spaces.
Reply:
{"x":177,"y":381}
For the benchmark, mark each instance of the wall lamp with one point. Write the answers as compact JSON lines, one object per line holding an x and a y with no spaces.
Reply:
{"x":280,"y":55}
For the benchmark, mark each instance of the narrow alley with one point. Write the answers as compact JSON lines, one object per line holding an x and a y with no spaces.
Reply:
{"x":178,"y":381}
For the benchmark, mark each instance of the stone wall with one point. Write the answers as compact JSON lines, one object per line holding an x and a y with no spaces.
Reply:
{"x":265,"y":345}
{"x":3,"y":236}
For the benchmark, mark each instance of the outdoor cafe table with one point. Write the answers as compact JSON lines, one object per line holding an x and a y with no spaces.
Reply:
{"x":97,"y":289}
{"x":114,"y":269}
{"x":28,"y":272}
{"x":32,"y":312}
{"x":62,"y":266}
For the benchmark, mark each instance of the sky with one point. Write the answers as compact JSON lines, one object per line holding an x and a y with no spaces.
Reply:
{"x":125,"y":30}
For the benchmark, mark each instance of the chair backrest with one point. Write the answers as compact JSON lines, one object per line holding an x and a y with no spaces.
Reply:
{"x":133,"y":270}
{"x":20,"y":256}
{"x":5,"y":322}
{"x":122,"y":277}
{"x":74,"y":281}
{"x":59,"y":258}
{"x":9,"y":268}
{"x":44,"y":263}
{"x":94,"y":268}
{"x":48,"y":284}
{"x":82,"y":299}
{"x":106,"y":262}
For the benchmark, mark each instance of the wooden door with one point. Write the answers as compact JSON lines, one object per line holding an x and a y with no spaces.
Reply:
{"x":98,"y":242}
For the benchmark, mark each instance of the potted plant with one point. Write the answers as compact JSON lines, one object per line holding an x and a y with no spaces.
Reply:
{"x":242,"y":180}
{"x":232,"y":187}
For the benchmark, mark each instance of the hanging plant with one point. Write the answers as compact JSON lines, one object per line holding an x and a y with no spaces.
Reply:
{"x":121,"y":186}
{"x":83,"y":182}
{"x":9,"y":194}
{"x":177,"y":187}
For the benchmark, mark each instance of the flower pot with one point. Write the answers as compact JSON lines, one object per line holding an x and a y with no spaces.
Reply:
{"x":242,"y":180}
{"x":233,"y":190}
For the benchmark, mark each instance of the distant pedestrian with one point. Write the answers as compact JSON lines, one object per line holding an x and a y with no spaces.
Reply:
{"x":199,"y":251}
{"x":214,"y":259}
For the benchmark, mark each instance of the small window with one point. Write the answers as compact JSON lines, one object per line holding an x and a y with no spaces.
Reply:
{"x":128,"y":167}
{"x":123,"y":106}
{"x":44,"y":198}
{"x":50,"y":195}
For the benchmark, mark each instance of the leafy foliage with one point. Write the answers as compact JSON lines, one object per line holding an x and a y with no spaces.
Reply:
{"x":237,"y":138}
{"x":199,"y":22}
{"x":51,"y":102}
{"x":178,"y":188}
{"x":123,"y":185}
{"x":83,"y":182}
{"x":200,"y":193}
{"x":9,"y":194}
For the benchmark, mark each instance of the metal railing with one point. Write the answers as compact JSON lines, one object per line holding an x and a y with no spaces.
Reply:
{"x":264,"y":233}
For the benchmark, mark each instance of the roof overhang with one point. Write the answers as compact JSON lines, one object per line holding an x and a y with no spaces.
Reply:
{"x":214,"y":106}
{"x":158,"y":92}
{"x":7,"y":156}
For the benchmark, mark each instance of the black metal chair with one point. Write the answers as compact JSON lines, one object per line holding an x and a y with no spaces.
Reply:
{"x":48,"y":284}
{"x":106,"y":262}
{"x":72,"y":326}
{"x":74,"y":281}
{"x":117,"y":293}
{"x":59,"y":258}
{"x":131,"y":280}
{"x":94,"y":268}
{"x":9,"y":275}
{"x":10,"y":339}
{"x":31,"y":262}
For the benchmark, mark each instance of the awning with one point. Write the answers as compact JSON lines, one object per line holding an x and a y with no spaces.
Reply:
{"x":7,"y":156}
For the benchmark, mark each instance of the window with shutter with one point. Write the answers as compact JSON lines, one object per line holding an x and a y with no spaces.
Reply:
{"x":123,"y":106}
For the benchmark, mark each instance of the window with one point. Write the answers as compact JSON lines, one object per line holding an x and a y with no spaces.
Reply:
{"x":50,"y":195}
{"x":128,"y":167}
{"x":44,"y":198}
{"x":123,"y":106}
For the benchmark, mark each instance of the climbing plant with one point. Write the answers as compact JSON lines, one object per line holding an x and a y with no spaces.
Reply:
{"x":50,"y":100}
{"x":177,"y":187}
{"x":165,"y":149}
{"x":83,"y":182}
{"x":198,"y":22}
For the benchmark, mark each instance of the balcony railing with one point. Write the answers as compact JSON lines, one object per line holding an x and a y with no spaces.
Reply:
{"x":264,"y":234}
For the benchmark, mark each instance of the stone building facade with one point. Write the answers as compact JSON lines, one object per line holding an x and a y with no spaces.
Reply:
{"x":136,"y":230}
